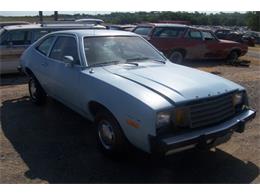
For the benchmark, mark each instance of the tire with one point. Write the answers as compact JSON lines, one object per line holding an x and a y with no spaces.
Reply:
{"x":176,"y":57}
{"x":37,"y":94}
{"x":110,"y":137}
{"x":232,"y":57}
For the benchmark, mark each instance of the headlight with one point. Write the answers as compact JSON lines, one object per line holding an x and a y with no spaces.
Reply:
{"x":238,"y":98}
{"x":163,"y":119}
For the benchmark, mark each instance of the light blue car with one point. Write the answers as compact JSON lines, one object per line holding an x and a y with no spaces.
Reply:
{"x":133,"y":93}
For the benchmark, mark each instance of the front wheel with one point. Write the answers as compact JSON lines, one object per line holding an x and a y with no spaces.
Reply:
{"x":110,"y":137}
{"x":37,"y":94}
{"x":233,"y":57}
{"x":176,"y":57}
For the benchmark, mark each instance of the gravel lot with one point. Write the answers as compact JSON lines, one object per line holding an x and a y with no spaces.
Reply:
{"x":53,"y":144}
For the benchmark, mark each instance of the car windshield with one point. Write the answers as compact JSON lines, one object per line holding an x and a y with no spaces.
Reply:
{"x":105,"y":50}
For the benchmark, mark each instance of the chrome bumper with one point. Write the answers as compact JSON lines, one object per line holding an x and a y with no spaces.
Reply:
{"x":210,"y":136}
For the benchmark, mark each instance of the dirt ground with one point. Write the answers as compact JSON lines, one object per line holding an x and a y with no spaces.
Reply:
{"x":53,"y":144}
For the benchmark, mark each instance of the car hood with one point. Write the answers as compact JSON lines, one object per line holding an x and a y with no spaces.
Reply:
{"x":174,"y":82}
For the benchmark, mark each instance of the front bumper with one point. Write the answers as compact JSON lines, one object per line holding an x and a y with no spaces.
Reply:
{"x":206,"y":137}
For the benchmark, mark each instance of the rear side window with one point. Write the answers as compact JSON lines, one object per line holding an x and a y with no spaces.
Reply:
{"x":17,"y":37}
{"x":194,"y":34}
{"x":44,"y":47}
{"x":168,"y":32}
{"x":65,"y":46}
{"x":143,"y":30}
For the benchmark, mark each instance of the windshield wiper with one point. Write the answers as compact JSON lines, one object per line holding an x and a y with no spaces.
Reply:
{"x":145,"y":58}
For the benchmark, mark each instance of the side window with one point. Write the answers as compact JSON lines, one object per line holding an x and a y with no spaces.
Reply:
{"x":44,"y":47}
{"x":143,"y":30}
{"x":168,"y":32}
{"x":195,"y":34}
{"x":207,"y":35}
{"x":19,"y":37}
{"x":65,"y":46}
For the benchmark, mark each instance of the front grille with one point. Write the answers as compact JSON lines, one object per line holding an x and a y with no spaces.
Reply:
{"x":211,"y":111}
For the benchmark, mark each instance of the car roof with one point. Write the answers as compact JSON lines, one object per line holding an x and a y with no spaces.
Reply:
{"x":23,"y":26}
{"x":51,"y":26}
{"x":95,"y":32}
{"x":162,"y":25}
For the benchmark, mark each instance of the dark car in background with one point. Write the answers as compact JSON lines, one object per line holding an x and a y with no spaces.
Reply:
{"x":241,"y":37}
{"x":179,"y":42}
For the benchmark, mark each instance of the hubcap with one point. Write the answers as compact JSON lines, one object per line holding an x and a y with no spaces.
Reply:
{"x":33,"y":89}
{"x":106,"y":134}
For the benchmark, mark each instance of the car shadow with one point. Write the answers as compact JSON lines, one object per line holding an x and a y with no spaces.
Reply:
{"x":59,"y":146}
{"x":13,"y":79}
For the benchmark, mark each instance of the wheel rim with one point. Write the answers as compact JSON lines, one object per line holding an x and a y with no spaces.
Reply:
{"x":33,"y":89}
{"x":106,"y":134}
{"x":176,"y":57}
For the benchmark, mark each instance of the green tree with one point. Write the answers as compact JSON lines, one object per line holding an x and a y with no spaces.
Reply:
{"x":253,"y":20}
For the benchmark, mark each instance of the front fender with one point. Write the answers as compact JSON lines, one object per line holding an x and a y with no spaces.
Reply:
{"x":125,"y":100}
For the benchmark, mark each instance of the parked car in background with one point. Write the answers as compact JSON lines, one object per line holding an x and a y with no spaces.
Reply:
{"x":179,"y":42}
{"x":222,"y":33}
{"x":237,"y":36}
{"x":9,"y":23}
{"x":127,"y":27}
{"x":133,"y":93}
{"x":254,"y":34}
{"x":16,"y":38}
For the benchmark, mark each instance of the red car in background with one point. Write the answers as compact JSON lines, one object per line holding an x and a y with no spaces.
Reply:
{"x":179,"y":42}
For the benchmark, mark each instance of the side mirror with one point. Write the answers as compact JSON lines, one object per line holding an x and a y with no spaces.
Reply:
{"x":68,"y":60}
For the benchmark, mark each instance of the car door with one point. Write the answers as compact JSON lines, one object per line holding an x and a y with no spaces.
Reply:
{"x":194,"y":45}
{"x":12,"y":45}
{"x":41,"y":66}
{"x":213,"y":47}
{"x":64,"y":77}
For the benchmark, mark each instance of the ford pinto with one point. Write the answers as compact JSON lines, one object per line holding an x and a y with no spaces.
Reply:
{"x":133,"y":93}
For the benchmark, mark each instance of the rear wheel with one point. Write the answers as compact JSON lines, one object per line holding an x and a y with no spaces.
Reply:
{"x":37,"y":94}
{"x":233,"y":57}
{"x":176,"y":57}
{"x":111,"y":139}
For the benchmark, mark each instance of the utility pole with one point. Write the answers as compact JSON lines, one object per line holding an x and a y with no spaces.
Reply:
{"x":55,"y":15}
{"x":40,"y":17}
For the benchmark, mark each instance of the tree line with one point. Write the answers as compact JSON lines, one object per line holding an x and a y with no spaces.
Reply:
{"x":250,"y":19}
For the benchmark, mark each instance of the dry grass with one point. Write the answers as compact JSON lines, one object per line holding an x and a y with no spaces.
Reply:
{"x":256,"y":48}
